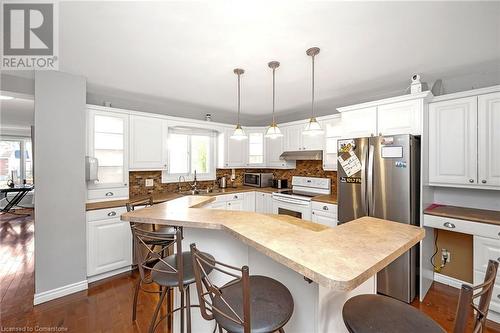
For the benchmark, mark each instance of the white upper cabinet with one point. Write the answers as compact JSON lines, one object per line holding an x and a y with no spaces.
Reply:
{"x":489,"y":139}
{"x":360,"y":123}
{"x":236,"y":151}
{"x":274,"y":149}
{"x":292,"y":137}
{"x":108,"y":142}
{"x":148,"y":143}
{"x":296,"y":140}
{"x":400,"y":118}
{"x":333,"y":132}
{"x":312,"y":142}
{"x":453,"y":142}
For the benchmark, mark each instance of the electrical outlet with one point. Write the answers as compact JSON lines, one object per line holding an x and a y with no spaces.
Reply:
{"x":445,"y":256}
{"x":149,"y":183}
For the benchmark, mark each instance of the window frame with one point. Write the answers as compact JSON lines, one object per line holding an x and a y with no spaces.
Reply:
{"x":22,"y":158}
{"x":167,"y":177}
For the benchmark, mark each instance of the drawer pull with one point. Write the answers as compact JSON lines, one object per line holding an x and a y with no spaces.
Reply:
{"x":498,"y":259}
{"x":325,"y":207}
{"x":449,"y":225}
{"x":113,"y":213}
{"x":236,"y":197}
{"x":498,"y":296}
{"x":109,"y":194}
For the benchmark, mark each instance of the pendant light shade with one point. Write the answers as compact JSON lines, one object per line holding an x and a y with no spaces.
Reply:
{"x":273,"y":131}
{"x":239,"y":133}
{"x":312,"y":127}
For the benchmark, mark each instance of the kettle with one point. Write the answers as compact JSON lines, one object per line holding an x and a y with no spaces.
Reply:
{"x":222,"y":182}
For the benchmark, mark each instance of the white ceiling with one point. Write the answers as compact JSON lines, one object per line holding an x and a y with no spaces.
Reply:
{"x":17,"y":113}
{"x":186,"y":51}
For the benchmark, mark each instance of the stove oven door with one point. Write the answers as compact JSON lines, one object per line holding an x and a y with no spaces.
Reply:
{"x":293,"y":207}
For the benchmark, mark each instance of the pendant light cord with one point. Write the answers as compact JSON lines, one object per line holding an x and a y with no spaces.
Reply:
{"x":312,"y":89}
{"x":274,"y":70}
{"x":239,"y":98}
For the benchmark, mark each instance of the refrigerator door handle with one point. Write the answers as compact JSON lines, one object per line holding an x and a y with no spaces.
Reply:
{"x":369,"y":179}
{"x":364,"y":182}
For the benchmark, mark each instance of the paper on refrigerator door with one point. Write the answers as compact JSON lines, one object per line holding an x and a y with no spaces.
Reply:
{"x":350,"y":163}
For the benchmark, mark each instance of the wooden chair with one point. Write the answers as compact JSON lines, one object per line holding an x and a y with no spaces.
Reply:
{"x":377,"y":313}
{"x":248,"y":303}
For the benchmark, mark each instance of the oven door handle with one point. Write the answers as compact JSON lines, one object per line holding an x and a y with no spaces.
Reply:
{"x":291,"y":201}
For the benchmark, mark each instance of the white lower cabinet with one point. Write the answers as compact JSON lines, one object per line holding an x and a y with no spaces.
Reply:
{"x":263,"y":203}
{"x":109,"y":241}
{"x":324,"y":213}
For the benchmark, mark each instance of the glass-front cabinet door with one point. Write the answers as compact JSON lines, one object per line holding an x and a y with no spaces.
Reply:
{"x":108,"y":142}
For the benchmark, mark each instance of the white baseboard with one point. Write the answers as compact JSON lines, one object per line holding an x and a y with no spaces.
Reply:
{"x":448,"y":280}
{"x":101,"y":276}
{"x":59,"y":292}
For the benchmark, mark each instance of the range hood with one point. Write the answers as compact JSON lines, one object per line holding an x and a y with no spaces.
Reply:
{"x":302,"y":155}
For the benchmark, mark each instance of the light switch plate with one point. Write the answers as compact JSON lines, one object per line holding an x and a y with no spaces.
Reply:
{"x":149,"y":182}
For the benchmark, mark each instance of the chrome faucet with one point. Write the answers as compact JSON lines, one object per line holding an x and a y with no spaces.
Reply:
{"x":194,"y":185}
{"x":179,"y":183}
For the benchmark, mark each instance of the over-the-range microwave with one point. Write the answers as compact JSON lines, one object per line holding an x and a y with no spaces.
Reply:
{"x":258,"y":179}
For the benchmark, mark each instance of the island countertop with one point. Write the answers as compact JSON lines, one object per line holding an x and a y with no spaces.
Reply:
{"x":339,"y":258}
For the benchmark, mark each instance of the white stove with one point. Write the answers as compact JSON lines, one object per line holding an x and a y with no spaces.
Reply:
{"x":297,"y":201}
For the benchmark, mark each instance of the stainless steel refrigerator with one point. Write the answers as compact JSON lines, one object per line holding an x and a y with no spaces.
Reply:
{"x":380,"y":177}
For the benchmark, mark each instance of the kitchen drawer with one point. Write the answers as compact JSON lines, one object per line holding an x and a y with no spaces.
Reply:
{"x":324,"y":207}
{"x":495,"y":297}
{"x":107,"y":194}
{"x":104,"y":214}
{"x":463,"y":226}
{"x":484,"y":250}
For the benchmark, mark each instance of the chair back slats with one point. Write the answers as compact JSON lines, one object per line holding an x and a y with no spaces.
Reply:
{"x":152,"y":247}
{"x":208,"y":290}
{"x":466,"y":301}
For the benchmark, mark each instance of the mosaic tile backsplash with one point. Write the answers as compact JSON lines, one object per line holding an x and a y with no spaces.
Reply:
{"x":137,"y":179}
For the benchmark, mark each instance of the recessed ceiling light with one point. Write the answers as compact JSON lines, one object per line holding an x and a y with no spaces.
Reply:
{"x":3,"y":97}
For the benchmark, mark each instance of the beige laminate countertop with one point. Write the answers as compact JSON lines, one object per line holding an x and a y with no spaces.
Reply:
{"x":339,"y":258}
{"x":464,"y":213}
{"x":328,"y":198}
{"x":162,"y":197}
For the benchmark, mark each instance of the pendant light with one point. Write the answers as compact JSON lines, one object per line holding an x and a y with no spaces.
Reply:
{"x":273,"y":131}
{"x":312,"y":127}
{"x":238,"y":134}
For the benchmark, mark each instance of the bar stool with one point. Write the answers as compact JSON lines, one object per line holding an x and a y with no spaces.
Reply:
{"x":168,"y":233}
{"x":173,"y":271}
{"x":376,"y":313}
{"x":249,"y":303}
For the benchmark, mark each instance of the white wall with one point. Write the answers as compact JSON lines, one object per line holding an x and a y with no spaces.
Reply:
{"x":60,"y":241}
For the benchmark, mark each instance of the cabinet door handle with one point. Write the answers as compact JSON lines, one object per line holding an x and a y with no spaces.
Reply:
{"x":325,"y":207}
{"x":483,"y":181}
{"x":236,"y":197}
{"x":449,"y":225}
{"x":498,"y":259}
{"x":471,"y":180}
{"x":113,"y":213}
{"x":109,"y":194}
{"x":498,"y":296}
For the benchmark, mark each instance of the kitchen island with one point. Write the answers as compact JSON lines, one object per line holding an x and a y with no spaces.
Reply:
{"x":321,"y":266}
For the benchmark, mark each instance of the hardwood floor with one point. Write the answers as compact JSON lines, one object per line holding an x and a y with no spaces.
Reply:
{"x":107,"y":305}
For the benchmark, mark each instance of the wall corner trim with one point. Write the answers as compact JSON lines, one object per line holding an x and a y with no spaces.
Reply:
{"x":60,"y":292}
{"x":449,"y":281}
